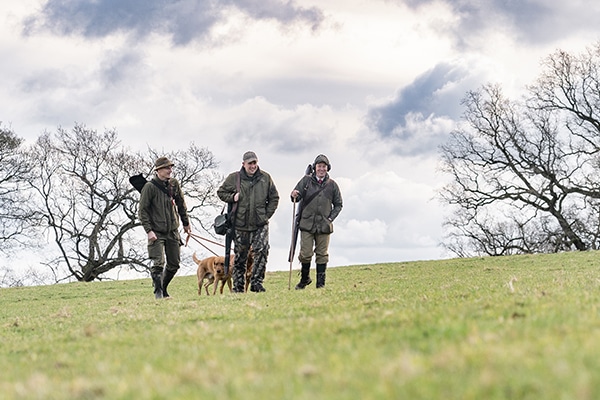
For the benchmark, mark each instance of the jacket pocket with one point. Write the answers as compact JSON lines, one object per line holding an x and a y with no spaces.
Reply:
{"x":160,"y":225}
{"x":261,"y":217}
{"x":325,"y":226}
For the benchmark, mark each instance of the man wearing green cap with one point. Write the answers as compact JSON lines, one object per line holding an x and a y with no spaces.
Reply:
{"x":257,"y":199}
{"x":161,"y":206}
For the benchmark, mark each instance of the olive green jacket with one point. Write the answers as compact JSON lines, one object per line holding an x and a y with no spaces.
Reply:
{"x":257,"y":202}
{"x":317,"y":216}
{"x":159,"y":212}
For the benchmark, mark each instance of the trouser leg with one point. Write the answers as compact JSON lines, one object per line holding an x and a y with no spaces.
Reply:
{"x":173,"y":255}
{"x":164,"y":254}
{"x":314,"y":244}
{"x":321,"y":248}
{"x":260,"y":248}
{"x":241,"y":249}
{"x":321,"y":257}
{"x":307,"y":242}
{"x":157,"y":260}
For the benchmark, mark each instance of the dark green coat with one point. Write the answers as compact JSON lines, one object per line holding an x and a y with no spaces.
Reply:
{"x":317,"y":216}
{"x":257,"y":202}
{"x":157,"y":211}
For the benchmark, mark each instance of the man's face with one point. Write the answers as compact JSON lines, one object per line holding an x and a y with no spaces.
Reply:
{"x":321,"y":170}
{"x":250,"y":167}
{"x":164,"y":173}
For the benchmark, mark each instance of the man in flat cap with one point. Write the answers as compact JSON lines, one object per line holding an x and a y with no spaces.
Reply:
{"x":161,"y":206}
{"x":257,"y":200}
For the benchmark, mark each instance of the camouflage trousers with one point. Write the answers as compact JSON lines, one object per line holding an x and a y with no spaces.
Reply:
{"x":258,"y":240}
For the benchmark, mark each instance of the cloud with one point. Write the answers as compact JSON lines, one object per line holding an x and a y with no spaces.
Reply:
{"x":363,"y":233}
{"x":118,"y":67}
{"x":419,"y":116}
{"x":287,"y":130}
{"x":528,"y":21}
{"x":434,"y":92}
{"x":184,"y":21}
{"x":381,"y":207}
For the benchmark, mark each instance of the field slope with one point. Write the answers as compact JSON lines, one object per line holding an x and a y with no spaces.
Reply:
{"x":519,"y":327}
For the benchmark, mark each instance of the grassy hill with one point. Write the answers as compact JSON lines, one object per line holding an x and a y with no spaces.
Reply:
{"x":521,"y":327}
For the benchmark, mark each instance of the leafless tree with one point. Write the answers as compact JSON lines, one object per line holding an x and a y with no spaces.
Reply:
{"x":80,"y":185}
{"x":28,"y":277}
{"x":14,"y":216}
{"x":536,"y":160}
{"x":501,"y":235}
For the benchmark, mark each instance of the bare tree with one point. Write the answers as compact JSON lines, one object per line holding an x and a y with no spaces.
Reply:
{"x":28,"y":277}
{"x":80,"y":181}
{"x":14,"y":216}
{"x":536,"y":160}
{"x":501,"y":235}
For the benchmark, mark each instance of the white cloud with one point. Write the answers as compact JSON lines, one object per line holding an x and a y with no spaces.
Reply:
{"x":362,"y":233}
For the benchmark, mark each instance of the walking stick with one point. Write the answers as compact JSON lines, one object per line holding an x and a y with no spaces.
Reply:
{"x":292,"y":244}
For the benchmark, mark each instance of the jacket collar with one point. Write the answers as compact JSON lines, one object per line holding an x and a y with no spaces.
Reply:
{"x":256,"y":175}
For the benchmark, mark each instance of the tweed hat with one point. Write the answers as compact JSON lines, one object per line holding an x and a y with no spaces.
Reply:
{"x":249,"y":156}
{"x":162,"y":162}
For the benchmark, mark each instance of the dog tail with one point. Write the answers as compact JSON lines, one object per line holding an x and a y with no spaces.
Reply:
{"x":195,"y":258}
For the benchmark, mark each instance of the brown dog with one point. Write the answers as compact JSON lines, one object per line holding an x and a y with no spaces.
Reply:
{"x":212,"y":269}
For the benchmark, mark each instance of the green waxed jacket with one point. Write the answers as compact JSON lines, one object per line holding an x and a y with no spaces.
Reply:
{"x":317,"y":216}
{"x":257,"y":202}
{"x":159,"y":212}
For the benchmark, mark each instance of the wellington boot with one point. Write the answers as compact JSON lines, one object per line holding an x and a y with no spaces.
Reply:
{"x":157,"y":283}
{"x":167,"y":277}
{"x":321,"y":275}
{"x":257,"y":287}
{"x":304,"y":277}
{"x":320,"y":280}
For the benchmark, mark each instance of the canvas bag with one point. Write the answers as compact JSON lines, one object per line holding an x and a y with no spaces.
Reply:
{"x":222,"y":221}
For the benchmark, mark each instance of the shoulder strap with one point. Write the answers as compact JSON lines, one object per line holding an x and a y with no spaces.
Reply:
{"x":162,"y":189}
{"x":313,"y":195}
{"x":232,"y":208}
{"x":237,"y":187}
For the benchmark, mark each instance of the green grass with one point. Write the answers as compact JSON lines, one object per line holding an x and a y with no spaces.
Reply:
{"x":451,"y":329}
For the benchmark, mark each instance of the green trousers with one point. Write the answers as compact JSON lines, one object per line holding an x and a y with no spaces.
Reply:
{"x":314,"y":243}
{"x":165,"y":248}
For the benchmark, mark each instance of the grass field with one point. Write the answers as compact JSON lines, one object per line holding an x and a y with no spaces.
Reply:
{"x":519,"y":327}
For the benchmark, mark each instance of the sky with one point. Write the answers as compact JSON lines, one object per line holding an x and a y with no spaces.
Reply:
{"x":376,"y":85}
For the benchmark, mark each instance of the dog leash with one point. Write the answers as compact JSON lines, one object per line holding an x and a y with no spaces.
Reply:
{"x":197,"y":237}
